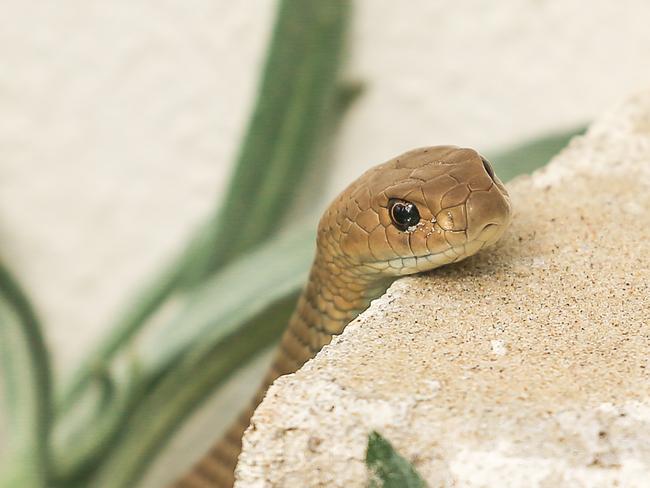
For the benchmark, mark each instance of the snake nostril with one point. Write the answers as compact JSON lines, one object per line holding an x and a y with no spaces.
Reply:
{"x":488,"y":168}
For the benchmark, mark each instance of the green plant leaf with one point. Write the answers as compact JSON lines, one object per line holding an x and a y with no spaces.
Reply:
{"x":526,"y":157}
{"x":297,"y":98}
{"x":25,"y":366}
{"x":238,"y":293}
{"x":387,"y":468}
{"x":227,"y":321}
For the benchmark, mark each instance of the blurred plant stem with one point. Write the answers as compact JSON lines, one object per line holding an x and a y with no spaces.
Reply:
{"x":176,"y":371}
{"x":296,"y":105}
{"x":526,"y":157}
{"x":26,"y":373}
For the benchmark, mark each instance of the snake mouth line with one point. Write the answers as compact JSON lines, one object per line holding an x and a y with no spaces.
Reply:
{"x":408,"y":264}
{"x":453,"y":253}
{"x":429,"y":261}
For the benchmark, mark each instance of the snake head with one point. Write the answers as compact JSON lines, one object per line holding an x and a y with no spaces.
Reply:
{"x":425,"y":208}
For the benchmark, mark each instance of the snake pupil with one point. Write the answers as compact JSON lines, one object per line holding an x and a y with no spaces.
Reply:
{"x":404,"y":214}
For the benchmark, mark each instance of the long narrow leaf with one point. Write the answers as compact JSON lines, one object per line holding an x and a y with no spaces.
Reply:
{"x":387,"y":468}
{"x":246,"y":304}
{"x":296,"y":99}
{"x":233,"y":296}
{"x":216,"y":333}
{"x":26,"y":371}
{"x":96,"y":364}
{"x":526,"y":157}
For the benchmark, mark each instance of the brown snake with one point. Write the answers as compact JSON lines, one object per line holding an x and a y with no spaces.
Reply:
{"x":423,"y":209}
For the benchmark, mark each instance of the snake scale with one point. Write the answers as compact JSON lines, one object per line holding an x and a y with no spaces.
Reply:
{"x":423,"y":209}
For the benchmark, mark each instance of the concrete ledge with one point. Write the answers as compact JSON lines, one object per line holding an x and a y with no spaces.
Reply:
{"x":528,"y":365}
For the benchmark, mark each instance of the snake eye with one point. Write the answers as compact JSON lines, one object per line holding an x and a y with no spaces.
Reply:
{"x":403,"y":214}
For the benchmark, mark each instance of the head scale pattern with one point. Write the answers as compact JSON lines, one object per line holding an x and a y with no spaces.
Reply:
{"x":447,"y":201}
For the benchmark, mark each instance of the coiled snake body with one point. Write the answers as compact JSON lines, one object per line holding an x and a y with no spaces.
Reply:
{"x":423,"y":209}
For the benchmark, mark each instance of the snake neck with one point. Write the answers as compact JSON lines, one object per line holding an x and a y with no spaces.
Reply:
{"x":334,"y":295}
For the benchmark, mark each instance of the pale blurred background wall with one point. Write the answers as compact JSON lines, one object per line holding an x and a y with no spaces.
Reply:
{"x":119,"y":119}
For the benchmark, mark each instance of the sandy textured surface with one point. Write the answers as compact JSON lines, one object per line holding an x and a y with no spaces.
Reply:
{"x":528,"y":365}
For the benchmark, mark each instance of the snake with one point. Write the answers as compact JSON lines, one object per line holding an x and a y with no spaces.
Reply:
{"x":423,"y":209}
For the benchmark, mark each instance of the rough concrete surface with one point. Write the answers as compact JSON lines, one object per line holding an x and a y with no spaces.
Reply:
{"x":527,"y":365}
